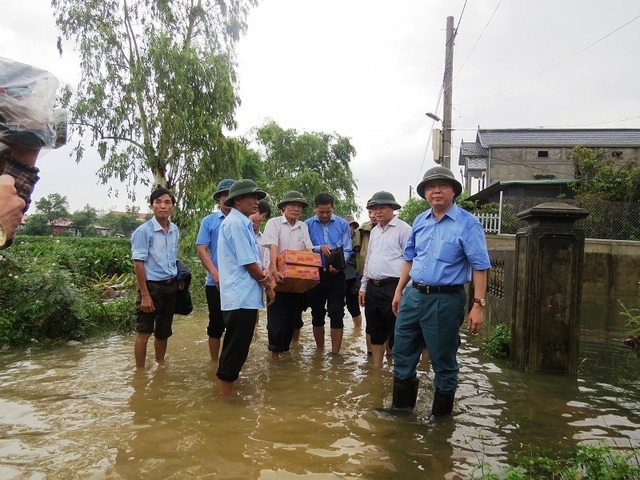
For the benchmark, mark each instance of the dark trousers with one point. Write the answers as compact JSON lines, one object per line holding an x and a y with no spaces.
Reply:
{"x":378,"y":313}
{"x":328,"y":297}
{"x":282,"y":318}
{"x":216,"y":322}
{"x":235,"y":348}
{"x":163,"y":294}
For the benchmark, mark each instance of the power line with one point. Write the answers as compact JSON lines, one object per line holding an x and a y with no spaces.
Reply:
{"x":552,"y":66}
{"x":478,"y":40}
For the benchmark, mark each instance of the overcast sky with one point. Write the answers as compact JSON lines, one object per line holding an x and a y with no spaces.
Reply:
{"x":370,"y":72}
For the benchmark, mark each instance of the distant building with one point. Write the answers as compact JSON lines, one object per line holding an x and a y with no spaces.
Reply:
{"x":524,"y":158}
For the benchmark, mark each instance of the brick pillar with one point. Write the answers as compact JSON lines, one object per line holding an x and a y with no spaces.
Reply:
{"x":548,"y":289}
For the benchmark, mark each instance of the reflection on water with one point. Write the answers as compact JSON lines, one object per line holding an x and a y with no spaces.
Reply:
{"x":84,"y":412}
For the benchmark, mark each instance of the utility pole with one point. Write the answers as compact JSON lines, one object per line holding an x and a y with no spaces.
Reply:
{"x":448,"y":95}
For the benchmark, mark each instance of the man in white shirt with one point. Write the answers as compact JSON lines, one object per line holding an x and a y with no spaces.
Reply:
{"x":286,"y":232}
{"x":382,"y":271}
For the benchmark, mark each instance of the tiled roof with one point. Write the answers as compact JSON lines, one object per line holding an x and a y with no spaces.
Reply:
{"x":473,"y":149}
{"x":539,"y":137}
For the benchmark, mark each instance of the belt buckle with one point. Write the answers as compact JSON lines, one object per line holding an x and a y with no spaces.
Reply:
{"x":376,"y":283}
{"x":427,"y":289}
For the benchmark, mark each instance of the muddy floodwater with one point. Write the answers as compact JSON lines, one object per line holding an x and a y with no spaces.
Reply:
{"x":83,"y":412}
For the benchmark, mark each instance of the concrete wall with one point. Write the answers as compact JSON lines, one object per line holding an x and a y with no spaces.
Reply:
{"x":611,"y":273}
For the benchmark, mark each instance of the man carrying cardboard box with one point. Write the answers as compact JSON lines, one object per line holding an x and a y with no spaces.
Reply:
{"x":285,"y":233}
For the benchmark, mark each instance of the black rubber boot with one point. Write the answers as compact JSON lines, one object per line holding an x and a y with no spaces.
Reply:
{"x":442,"y":403}
{"x":405,"y":393}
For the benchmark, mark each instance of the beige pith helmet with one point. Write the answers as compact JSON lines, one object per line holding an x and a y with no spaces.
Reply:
{"x":439,"y":173}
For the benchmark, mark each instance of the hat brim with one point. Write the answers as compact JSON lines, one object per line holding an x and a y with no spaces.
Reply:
{"x":245,"y":191}
{"x":457,"y":186}
{"x":374,"y":203}
{"x":302,"y":201}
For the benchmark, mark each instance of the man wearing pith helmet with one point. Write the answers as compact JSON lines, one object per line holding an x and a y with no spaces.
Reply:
{"x":445,"y":250}
{"x":243,"y":280}
{"x":382,"y":272}
{"x":286,"y":232}
{"x":207,"y":245}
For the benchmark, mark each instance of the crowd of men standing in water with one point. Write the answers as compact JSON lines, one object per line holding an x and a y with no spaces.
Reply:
{"x":409,"y":279}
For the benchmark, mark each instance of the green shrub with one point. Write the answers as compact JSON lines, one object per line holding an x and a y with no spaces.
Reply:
{"x":497,"y":343}
{"x":53,"y":289}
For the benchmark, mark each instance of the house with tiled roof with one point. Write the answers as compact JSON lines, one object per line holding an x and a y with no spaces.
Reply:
{"x":534,"y":158}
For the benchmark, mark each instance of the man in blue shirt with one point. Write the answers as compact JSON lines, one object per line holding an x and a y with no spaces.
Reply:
{"x":207,"y":245}
{"x":242,"y":280}
{"x":328,"y":231}
{"x":154,"y":251}
{"x":445,"y":250}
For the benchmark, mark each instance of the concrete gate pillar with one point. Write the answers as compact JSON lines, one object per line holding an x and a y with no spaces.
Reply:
{"x":548,"y":289}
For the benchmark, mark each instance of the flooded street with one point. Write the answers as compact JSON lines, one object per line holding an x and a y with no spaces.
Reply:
{"x":83,"y":412}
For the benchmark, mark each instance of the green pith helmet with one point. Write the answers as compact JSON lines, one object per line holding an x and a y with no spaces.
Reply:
{"x":439,"y":173}
{"x":383,"y":198}
{"x":243,"y":187}
{"x":292,"y":197}
{"x":223,"y":187}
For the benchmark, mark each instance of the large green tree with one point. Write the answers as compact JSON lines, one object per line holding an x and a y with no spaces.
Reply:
{"x":158,"y":88}
{"x":309,"y":162}
{"x":605,"y":176}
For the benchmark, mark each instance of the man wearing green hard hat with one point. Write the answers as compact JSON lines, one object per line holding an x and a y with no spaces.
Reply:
{"x":207,"y":246}
{"x":446,"y":249}
{"x":382,"y":272}
{"x":282,"y":233}
{"x":243,"y":280}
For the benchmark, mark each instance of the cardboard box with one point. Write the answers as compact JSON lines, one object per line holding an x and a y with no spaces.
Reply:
{"x":295,"y":257}
{"x":298,"y":278}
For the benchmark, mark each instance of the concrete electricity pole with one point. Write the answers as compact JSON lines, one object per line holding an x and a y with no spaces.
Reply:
{"x":448,"y":95}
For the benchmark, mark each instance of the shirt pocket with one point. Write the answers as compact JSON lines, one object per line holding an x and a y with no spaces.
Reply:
{"x":449,"y":252}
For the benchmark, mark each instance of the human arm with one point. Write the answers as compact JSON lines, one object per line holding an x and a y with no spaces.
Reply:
{"x":146,"y":304}
{"x":402,"y":283}
{"x":11,"y":207}
{"x":273,"y":257}
{"x":207,"y":263}
{"x":476,"y":315}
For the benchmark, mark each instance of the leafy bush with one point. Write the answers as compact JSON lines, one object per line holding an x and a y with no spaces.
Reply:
{"x":496,"y":344}
{"x":590,"y":462}
{"x":53,"y":289}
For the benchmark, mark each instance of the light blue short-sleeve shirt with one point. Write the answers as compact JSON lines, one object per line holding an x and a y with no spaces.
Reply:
{"x":157,"y":249}
{"x":208,"y":235}
{"x":237,"y":248}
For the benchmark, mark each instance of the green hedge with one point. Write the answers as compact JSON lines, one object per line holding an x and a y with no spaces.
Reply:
{"x":65,"y":288}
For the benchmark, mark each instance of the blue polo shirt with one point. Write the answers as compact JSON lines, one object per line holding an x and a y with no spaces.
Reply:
{"x":157,"y":249}
{"x":335,"y":233}
{"x":208,"y":235}
{"x":444,"y":252}
{"x":237,"y":247}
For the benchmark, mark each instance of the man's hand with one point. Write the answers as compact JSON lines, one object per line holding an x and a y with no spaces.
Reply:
{"x":325,"y":250}
{"x":271,"y":295}
{"x":476,"y":318}
{"x":11,"y":206}
{"x":146,"y":304}
{"x":395,"y":303}
{"x":361,"y":296}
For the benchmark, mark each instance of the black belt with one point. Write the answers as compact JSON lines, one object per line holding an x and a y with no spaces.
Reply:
{"x":169,"y":281}
{"x":384,"y":281}
{"x":442,"y":289}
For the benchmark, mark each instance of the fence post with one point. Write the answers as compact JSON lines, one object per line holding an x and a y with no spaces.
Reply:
{"x":548,"y":288}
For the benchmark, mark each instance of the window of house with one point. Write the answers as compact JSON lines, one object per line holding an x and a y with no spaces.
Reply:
{"x":543,"y":153}
{"x":616,"y":154}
